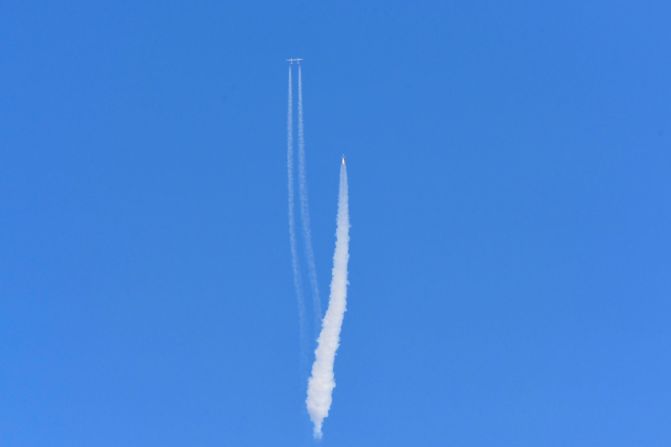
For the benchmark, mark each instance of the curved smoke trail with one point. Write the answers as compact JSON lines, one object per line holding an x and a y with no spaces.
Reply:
{"x":321,"y":383}
{"x":292,"y":219}
{"x":305,"y":207}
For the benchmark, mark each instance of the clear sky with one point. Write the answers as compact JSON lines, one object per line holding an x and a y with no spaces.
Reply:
{"x":510,"y":199}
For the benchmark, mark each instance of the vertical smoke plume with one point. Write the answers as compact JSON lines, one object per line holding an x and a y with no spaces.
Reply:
{"x":321,"y":383}
{"x":305,"y":207}
{"x":292,"y":218}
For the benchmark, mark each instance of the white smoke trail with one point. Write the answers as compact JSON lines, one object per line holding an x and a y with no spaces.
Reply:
{"x":321,"y":383}
{"x":292,"y":220}
{"x":305,"y":206}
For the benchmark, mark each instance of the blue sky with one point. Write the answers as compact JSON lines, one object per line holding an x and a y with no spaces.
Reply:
{"x":510,"y":204}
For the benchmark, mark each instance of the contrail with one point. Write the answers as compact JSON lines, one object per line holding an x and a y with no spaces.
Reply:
{"x":321,"y":383}
{"x":292,"y":221}
{"x":305,"y":207}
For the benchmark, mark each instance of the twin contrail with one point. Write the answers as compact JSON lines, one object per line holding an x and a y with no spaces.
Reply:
{"x":321,"y":383}
{"x":304,"y":206}
{"x":292,"y":218}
